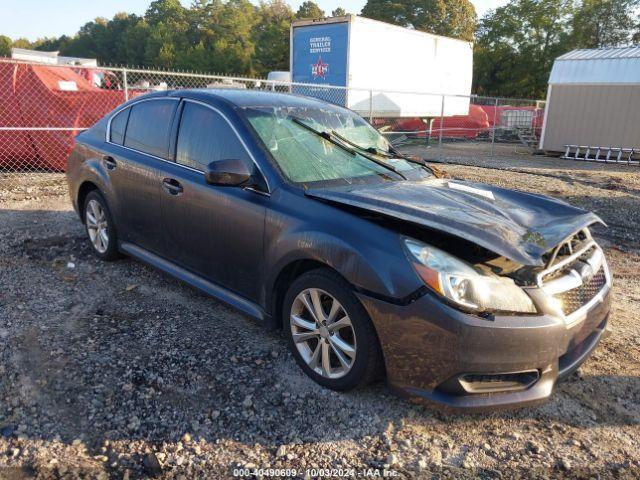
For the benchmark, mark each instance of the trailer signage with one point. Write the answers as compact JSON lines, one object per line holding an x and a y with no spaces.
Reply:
{"x":320,"y":54}
{"x":320,"y":45}
{"x":319,"y":69}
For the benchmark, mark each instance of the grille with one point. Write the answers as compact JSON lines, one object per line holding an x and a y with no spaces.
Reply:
{"x":572,"y":300}
{"x":566,"y":249}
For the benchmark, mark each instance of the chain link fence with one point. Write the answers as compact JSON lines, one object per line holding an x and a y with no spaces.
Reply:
{"x":45,"y":106}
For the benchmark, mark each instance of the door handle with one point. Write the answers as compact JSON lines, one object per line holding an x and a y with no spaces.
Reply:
{"x":172,"y":186}
{"x":109,"y":162}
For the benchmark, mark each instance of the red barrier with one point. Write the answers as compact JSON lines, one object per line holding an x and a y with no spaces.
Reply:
{"x":463,"y":126}
{"x":457,"y":126}
{"x":16,"y":146}
{"x":50,"y":98}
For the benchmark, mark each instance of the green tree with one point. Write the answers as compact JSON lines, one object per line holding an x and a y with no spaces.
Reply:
{"x":221,"y":37}
{"x":309,"y":10}
{"x":168,"y":28}
{"x":52,"y":44}
{"x":107,"y":40}
{"x":164,"y":11}
{"x":339,"y":12}
{"x":233,"y":48}
{"x":22,"y":43}
{"x":452,"y":18}
{"x":516,"y":45}
{"x":271,"y":36}
{"x":132,"y":44}
{"x":5,"y":46}
{"x":604,"y":23}
{"x":203,"y":30}
{"x":118,"y":44}
{"x":91,"y":41}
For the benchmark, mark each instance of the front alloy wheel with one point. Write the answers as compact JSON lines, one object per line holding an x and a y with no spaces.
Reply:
{"x":330,"y":333}
{"x":323,"y":333}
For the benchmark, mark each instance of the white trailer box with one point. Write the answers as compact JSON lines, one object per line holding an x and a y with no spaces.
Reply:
{"x":397,"y":63}
{"x":50,"y":58}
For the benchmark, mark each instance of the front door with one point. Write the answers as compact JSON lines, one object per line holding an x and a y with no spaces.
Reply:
{"x":214,"y":231}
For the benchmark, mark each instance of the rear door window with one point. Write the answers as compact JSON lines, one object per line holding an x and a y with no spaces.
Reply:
{"x":206,"y":137}
{"x":149,"y":127}
{"x":118,"y":126}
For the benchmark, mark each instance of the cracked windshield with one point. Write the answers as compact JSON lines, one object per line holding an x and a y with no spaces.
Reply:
{"x":314,"y":146}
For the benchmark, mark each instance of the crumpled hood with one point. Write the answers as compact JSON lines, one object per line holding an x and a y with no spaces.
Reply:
{"x":517,"y":225}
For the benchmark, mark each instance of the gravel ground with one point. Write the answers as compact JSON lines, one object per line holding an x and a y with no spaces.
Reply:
{"x":113,"y":370}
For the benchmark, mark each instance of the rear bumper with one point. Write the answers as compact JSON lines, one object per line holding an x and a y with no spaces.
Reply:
{"x":428,"y":347}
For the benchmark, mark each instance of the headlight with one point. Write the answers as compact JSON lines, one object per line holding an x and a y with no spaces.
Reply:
{"x":463,"y":284}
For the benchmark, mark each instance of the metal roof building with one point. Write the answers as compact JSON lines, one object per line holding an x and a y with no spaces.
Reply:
{"x":593,"y":99}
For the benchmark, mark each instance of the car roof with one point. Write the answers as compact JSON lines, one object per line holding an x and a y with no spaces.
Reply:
{"x":254,"y":98}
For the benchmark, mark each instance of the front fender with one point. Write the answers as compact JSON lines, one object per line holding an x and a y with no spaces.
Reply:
{"x":331,"y":251}
{"x":367,"y":255}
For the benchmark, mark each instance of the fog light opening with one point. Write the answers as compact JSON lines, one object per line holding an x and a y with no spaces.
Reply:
{"x":498,"y":382}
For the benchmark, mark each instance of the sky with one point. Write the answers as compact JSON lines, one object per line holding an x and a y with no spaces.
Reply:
{"x":34,"y":19}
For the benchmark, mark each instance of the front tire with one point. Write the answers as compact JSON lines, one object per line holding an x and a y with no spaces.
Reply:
{"x":100,"y":227}
{"x":329,"y":331}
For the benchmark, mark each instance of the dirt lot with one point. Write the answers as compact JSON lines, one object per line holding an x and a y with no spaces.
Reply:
{"x":112,"y":370}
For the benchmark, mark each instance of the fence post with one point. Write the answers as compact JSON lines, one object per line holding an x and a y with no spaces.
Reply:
{"x":371,"y":106}
{"x":441,"y":128}
{"x":125,"y":85}
{"x":493,"y":128}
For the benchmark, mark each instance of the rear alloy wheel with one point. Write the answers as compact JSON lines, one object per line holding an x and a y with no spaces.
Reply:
{"x":97,"y":226}
{"x":100,"y":227}
{"x":330,"y":334}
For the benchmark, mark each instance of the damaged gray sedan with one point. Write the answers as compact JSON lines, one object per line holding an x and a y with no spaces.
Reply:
{"x":303,"y":216}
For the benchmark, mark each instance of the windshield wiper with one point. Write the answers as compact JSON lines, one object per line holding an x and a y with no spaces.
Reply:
{"x":329,"y":137}
{"x":373,"y":150}
{"x":325,"y":135}
{"x":392,"y":153}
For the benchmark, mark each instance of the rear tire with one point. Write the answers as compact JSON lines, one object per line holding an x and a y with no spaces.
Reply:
{"x":100,"y":227}
{"x":329,"y":331}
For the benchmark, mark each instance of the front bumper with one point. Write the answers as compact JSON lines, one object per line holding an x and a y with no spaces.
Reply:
{"x":428,"y":345}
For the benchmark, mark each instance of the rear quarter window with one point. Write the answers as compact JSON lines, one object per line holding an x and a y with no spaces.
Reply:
{"x":118,"y":126}
{"x":149,"y":127}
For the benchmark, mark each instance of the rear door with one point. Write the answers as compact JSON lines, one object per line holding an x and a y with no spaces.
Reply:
{"x":139,"y":138}
{"x":215,"y":231}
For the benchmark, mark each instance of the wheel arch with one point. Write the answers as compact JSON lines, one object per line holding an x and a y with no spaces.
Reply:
{"x":373,"y":267}
{"x":285,"y":278}
{"x":85,"y":188}
{"x":85,"y":177}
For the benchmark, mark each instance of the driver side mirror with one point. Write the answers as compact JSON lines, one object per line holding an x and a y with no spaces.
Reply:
{"x":229,"y":172}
